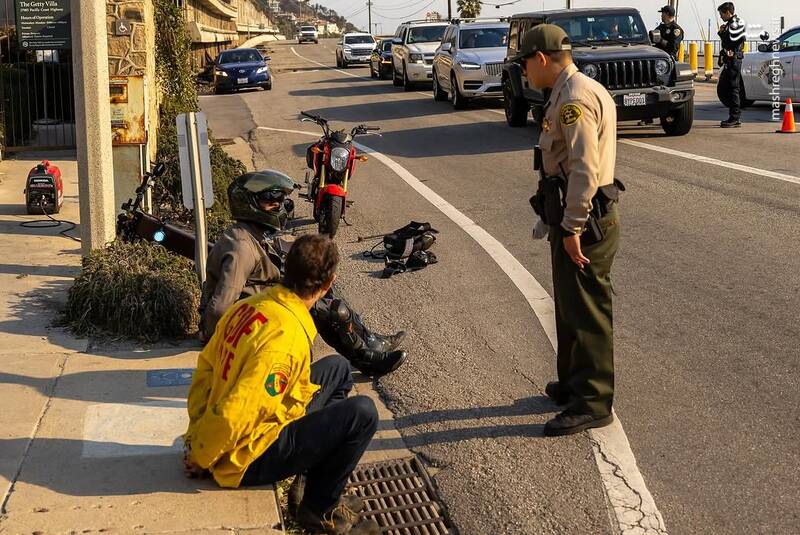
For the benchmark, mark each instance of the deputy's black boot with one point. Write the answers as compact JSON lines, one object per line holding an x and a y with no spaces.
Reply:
{"x":573,"y":421}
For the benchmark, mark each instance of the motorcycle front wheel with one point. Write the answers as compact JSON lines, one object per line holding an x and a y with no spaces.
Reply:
{"x":330,"y":215}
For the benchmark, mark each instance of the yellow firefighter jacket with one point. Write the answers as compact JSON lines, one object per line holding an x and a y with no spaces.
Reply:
{"x":252,"y":380}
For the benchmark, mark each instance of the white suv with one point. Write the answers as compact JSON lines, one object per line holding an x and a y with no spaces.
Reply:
{"x":307,"y":33}
{"x":413,"y":47}
{"x":354,"y":48}
{"x":469,"y":62}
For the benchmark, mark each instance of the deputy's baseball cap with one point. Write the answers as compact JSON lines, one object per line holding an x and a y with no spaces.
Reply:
{"x":542,"y":38}
{"x":669,"y":10}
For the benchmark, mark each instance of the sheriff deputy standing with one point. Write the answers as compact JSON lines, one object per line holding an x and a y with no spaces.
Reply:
{"x":578,"y":142}
{"x":671,"y":33}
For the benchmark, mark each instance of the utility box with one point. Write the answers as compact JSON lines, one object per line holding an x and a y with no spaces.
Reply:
{"x":128,"y":110}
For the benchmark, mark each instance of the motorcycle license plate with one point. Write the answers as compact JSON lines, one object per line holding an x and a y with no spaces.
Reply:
{"x":241,"y":80}
{"x":634,"y":99}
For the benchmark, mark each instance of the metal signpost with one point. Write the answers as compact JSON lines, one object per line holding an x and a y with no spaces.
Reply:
{"x":196,"y":186}
{"x":43,"y":24}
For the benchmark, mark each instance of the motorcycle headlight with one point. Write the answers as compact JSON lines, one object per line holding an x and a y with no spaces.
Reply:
{"x":218,"y":72}
{"x":662,"y":67}
{"x":262,"y":69}
{"x":415,"y":58}
{"x":591,"y":70}
{"x":339,"y":158}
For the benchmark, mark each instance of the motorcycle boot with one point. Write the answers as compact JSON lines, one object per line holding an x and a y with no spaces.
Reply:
{"x":344,"y":330}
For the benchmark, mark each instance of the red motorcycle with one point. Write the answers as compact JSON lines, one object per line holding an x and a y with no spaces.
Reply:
{"x":332,"y":160}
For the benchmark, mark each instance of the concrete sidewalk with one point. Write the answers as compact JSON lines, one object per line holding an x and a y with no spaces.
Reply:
{"x":90,"y":436}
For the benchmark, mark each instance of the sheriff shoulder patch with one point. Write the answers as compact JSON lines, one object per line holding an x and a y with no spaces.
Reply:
{"x":677,"y":32}
{"x":570,"y":114}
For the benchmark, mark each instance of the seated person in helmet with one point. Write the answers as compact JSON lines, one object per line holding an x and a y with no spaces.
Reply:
{"x":260,"y":411}
{"x":247,"y":259}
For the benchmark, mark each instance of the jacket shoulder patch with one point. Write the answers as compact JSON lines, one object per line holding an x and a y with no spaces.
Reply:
{"x":275,"y":384}
{"x":677,"y":32}
{"x":570,"y":114}
{"x":277,"y":379}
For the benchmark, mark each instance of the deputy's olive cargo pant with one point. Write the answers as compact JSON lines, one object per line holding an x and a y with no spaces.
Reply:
{"x":584,"y":319}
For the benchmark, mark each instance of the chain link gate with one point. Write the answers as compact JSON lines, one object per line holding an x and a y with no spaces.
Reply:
{"x":37,"y":109}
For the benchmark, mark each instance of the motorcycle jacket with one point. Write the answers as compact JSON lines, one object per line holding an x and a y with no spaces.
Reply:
{"x":241,"y":264}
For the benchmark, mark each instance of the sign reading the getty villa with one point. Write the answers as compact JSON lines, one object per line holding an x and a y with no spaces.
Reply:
{"x":43,"y":24}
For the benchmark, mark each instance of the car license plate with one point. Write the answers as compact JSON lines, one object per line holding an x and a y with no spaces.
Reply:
{"x":634,"y":99}
{"x":245,"y":80}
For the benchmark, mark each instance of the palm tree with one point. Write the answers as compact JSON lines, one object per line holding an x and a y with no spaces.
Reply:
{"x":469,"y":9}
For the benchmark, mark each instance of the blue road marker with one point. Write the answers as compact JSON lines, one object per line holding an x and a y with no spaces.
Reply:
{"x":173,"y":377}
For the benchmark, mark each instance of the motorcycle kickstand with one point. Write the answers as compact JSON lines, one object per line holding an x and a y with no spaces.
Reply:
{"x":347,"y":223}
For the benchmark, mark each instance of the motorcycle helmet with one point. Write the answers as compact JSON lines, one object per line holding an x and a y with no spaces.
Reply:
{"x":247,"y":191}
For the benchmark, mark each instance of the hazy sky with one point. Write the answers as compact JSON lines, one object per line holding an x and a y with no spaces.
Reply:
{"x":692,"y":14}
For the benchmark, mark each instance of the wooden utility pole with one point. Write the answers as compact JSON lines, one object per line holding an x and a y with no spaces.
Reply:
{"x":369,"y":15}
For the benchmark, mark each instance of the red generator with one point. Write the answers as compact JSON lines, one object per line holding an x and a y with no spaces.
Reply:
{"x":44,"y":190}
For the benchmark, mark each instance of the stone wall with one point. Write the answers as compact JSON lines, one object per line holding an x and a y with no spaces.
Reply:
{"x":135,"y":53}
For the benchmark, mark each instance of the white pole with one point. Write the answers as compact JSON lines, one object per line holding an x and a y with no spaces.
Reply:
{"x":201,"y":238}
{"x":93,"y":125}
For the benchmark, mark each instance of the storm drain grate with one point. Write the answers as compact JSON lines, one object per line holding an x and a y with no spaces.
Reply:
{"x":400,"y":496}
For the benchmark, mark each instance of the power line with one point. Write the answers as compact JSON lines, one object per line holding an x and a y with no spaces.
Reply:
{"x":412,"y":4}
{"x":408,"y":15}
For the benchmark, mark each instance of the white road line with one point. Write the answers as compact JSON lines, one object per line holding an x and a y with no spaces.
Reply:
{"x":705,"y":159}
{"x":633,"y":505}
{"x":713,"y":161}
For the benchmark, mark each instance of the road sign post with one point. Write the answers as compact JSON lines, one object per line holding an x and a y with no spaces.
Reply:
{"x":196,"y":186}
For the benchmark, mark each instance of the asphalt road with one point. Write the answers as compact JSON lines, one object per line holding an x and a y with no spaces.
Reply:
{"x":705,"y":308}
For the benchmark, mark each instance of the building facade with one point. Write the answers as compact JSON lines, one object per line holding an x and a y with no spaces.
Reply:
{"x":216,"y":25}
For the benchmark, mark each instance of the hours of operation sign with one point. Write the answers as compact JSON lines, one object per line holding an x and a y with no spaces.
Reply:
{"x":43,"y":24}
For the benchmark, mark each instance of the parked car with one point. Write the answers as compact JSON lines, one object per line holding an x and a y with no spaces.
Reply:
{"x":610,"y":45}
{"x":469,"y":61}
{"x":354,"y":48}
{"x":307,"y":34}
{"x":241,"y":68}
{"x":778,"y":59}
{"x":413,"y":47}
{"x":380,"y":61}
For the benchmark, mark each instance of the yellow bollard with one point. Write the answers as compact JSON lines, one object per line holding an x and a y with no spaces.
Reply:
{"x":746,"y":47}
{"x":693,"y":57}
{"x":708,"y":55}
{"x":681,"y":52}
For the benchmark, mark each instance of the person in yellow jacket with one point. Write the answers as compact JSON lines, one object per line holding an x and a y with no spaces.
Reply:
{"x":260,"y":411}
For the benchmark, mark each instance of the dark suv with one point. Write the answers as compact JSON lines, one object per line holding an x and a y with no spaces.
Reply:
{"x":612,"y":46}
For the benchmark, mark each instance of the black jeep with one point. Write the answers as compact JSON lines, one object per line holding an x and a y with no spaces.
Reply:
{"x":612,"y":46}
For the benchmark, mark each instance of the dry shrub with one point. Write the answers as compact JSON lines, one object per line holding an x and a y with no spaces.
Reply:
{"x":137,"y":290}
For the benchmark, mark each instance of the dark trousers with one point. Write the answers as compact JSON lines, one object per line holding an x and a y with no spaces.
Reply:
{"x":584,"y":319}
{"x":728,"y":87}
{"x":326,"y":443}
